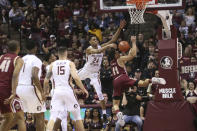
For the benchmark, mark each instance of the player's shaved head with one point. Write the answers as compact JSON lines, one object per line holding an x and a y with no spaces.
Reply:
{"x":62,"y":50}
{"x":13,"y":45}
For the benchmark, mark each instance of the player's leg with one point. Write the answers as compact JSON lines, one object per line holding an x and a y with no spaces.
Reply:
{"x":20,"y":120}
{"x":73,"y":107}
{"x":56,"y":107}
{"x":57,"y":124}
{"x":6,"y":113}
{"x":61,"y":121}
{"x":40,"y":125}
{"x":7,"y":122}
{"x":97,"y":86}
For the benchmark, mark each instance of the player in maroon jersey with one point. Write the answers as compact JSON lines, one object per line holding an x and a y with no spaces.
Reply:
{"x":10,"y":65}
{"x":121,"y":81}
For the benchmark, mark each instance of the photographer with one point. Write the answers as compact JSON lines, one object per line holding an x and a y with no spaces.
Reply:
{"x":131,"y":101}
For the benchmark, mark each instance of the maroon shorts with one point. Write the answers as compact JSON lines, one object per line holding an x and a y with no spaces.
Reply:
{"x":14,"y":106}
{"x":122,"y":83}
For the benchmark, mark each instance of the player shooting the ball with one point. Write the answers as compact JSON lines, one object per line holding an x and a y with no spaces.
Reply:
{"x":121,"y":80}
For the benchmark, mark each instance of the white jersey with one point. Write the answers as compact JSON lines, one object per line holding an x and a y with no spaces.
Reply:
{"x":30,"y":61}
{"x":93,"y":61}
{"x":61,"y":73}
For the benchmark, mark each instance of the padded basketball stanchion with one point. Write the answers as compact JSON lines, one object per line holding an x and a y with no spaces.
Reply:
{"x":169,"y":111}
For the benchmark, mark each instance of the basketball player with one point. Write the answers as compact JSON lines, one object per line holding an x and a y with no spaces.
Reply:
{"x":121,"y":80}
{"x":62,"y":117}
{"x":94,"y":55}
{"x":63,"y":95}
{"x":29,"y":87}
{"x":10,"y":66}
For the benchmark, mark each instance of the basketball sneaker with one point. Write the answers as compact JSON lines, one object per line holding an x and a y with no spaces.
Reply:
{"x":120,"y":121}
{"x":156,"y":80}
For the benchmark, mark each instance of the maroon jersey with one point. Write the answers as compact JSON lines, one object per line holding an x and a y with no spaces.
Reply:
{"x":6,"y":71}
{"x":116,"y":69}
{"x":188,"y":69}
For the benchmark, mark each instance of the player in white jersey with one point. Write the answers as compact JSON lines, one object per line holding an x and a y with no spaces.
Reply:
{"x":94,"y":56}
{"x":62,"y":117}
{"x":63,"y":96}
{"x":29,"y":88}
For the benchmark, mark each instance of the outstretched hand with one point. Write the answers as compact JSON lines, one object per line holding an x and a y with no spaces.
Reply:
{"x":122,"y":23}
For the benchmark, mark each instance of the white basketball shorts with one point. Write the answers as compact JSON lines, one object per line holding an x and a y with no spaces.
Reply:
{"x":95,"y":81}
{"x":65,"y":98}
{"x":31,"y":99}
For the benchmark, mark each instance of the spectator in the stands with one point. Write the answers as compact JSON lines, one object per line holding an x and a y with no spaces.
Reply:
{"x":111,"y":121}
{"x":30,"y":122}
{"x":138,"y":74}
{"x":30,"y":3}
{"x":87,"y":119}
{"x":96,"y":123}
{"x":152,"y":87}
{"x":150,"y":69}
{"x":16,"y":15}
{"x":106,"y":78}
{"x":190,"y":17}
{"x":132,"y":108}
{"x":50,"y":45}
{"x":183,"y":28}
{"x":5,"y":4}
{"x":4,"y":17}
{"x":191,"y":93}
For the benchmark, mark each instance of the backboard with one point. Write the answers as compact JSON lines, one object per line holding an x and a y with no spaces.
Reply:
{"x":121,"y":5}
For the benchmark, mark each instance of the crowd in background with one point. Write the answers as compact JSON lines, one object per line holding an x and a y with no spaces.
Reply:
{"x":54,"y":23}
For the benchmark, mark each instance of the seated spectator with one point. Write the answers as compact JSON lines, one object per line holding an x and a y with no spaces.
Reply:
{"x":184,"y":29}
{"x":30,"y":122}
{"x":190,"y":17}
{"x":149,"y":70}
{"x":96,"y":122}
{"x":16,"y":15}
{"x":191,"y":93}
{"x":87,"y":120}
{"x":153,"y":87}
{"x":111,"y":121}
{"x":132,"y":109}
{"x":50,"y":46}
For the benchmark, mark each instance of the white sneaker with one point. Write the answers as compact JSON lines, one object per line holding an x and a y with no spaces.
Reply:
{"x":156,"y":80}
{"x":120,"y":119}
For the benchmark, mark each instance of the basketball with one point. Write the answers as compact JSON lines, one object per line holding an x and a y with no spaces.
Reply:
{"x":123,"y":46}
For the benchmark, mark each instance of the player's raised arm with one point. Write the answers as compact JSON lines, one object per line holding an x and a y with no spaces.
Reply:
{"x":116,"y":35}
{"x":75,"y":76}
{"x":46,"y":80}
{"x":95,"y":51}
{"x":132,"y":51}
{"x":18,"y":65}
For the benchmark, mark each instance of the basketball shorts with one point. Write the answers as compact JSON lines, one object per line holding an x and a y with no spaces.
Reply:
{"x":64,"y":98}
{"x":14,"y":106}
{"x":31,"y":99}
{"x":122,"y":83}
{"x":94,"y":81}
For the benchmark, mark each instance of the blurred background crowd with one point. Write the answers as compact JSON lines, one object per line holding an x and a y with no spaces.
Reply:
{"x":54,"y":23}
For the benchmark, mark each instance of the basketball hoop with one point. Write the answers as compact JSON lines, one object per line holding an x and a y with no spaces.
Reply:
{"x":137,"y":13}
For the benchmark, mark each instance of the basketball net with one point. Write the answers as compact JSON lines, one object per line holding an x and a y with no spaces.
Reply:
{"x":137,"y":13}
